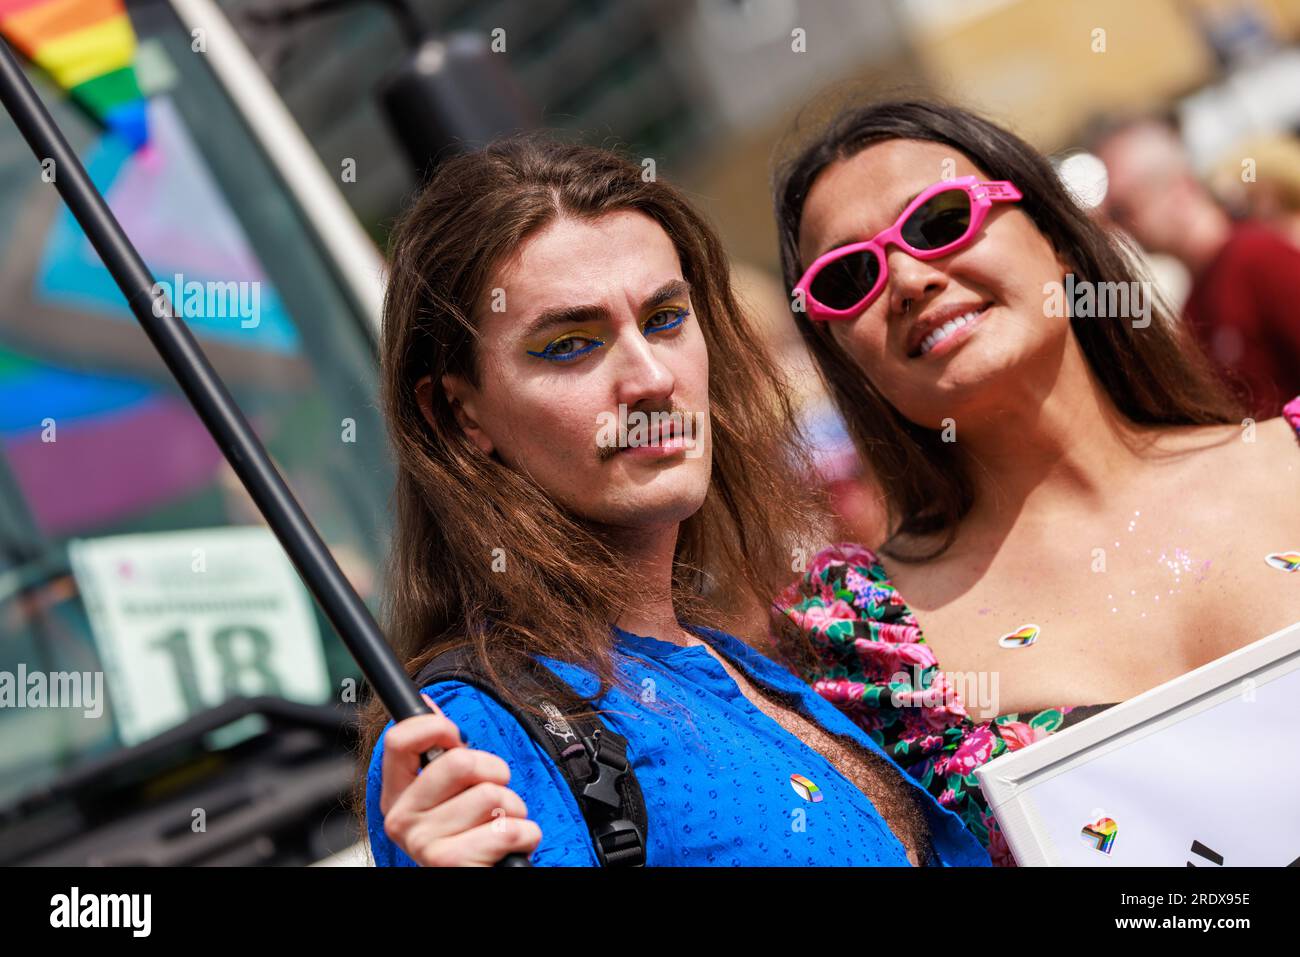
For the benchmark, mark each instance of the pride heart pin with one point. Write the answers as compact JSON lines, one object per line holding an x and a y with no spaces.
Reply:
{"x":1284,"y":561}
{"x":1101,"y":834}
{"x":1022,"y":637}
{"x":805,"y":788}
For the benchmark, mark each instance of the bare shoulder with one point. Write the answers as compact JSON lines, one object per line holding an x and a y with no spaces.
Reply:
{"x":1258,"y":469}
{"x":1248,"y":444}
{"x":1271,"y":444}
{"x":1233,"y":469}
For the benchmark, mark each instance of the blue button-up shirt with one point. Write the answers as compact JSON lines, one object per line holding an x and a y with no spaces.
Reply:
{"x":715,"y":771}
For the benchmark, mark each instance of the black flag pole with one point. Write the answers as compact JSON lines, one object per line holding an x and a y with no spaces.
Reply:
{"x":216,"y":408}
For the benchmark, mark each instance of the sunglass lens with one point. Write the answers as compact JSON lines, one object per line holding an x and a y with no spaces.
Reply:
{"x":942,"y":219}
{"x":845,"y":282}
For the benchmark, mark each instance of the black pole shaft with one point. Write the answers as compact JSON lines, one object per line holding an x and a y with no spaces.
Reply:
{"x":208,"y":394}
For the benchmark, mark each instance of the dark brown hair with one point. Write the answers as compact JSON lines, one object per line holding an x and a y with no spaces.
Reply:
{"x":1154,"y":375}
{"x":561,"y":586}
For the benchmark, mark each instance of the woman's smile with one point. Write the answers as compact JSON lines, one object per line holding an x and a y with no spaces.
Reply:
{"x":943,"y":330}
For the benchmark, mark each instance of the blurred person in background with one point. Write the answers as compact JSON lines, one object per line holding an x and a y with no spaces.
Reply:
{"x":1260,"y":180}
{"x":1245,"y":275}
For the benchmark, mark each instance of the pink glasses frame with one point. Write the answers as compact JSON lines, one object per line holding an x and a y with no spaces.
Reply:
{"x":982,"y":197}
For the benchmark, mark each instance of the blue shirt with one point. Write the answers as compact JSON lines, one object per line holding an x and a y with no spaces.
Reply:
{"x":716,"y":780}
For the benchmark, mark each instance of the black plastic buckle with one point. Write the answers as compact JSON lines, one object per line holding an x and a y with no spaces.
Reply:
{"x":608,"y":770}
{"x":618,"y":840}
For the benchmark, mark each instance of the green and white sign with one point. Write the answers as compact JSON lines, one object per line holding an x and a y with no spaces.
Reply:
{"x":185,"y":620}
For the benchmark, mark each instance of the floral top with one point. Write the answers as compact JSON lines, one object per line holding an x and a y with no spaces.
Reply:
{"x":875,"y":666}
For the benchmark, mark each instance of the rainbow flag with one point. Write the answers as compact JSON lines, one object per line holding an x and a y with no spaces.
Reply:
{"x":88,"y":47}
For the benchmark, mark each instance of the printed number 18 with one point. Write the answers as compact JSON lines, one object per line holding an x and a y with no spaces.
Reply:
{"x":225,"y":643}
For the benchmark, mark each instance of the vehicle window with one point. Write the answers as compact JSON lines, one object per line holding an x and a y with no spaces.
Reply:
{"x":96,"y":440}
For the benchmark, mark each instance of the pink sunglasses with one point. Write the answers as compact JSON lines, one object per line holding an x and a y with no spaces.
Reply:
{"x":946,"y":216}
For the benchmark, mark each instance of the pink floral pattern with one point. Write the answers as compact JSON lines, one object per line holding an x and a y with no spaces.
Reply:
{"x":875,"y":666}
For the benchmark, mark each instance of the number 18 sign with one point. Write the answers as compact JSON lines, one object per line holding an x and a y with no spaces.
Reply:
{"x":184,"y":620}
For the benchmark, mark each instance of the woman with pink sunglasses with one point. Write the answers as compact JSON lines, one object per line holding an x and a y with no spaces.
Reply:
{"x":1077,"y":510}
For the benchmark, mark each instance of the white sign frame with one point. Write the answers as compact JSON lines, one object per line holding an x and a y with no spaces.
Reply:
{"x":145,"y":687}
{"x":1009,"y":782}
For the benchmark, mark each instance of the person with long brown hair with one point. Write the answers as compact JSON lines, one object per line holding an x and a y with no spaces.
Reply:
{"x":1078,"y":510}
{"x":537,"y":290}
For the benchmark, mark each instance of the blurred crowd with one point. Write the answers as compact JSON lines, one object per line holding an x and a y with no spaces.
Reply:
{"x":1236,"y":233}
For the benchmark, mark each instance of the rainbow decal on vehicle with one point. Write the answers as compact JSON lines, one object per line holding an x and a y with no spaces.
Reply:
{"x":805,"y":788}
{"x":88,"y":47}
{"x":1101,"y":834}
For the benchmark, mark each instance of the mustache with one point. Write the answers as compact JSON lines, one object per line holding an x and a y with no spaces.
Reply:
{"x":605,"y":452}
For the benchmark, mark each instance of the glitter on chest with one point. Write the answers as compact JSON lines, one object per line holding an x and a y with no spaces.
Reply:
{"x":1180,"y":563}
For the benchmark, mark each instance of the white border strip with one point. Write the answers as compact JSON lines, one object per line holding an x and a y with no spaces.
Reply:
{"x":354,"y":255}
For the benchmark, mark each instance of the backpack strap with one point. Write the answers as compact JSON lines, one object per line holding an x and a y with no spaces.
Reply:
{"x":591,"y":757}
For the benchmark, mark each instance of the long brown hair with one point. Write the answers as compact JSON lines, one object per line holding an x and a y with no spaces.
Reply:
{"x":1154,"y":375}
{"x":560,"y":587}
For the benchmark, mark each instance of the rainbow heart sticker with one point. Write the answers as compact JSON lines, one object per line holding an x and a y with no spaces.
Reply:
{"x":1284,"y":561}
{"x":805,"y":788}
{"x":1022,"y":637}
{"x":1101,"y":834}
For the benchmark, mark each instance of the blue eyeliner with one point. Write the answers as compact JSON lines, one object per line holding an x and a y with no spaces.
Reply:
{"x":550,"y":355}
{"x":678,"y":318}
